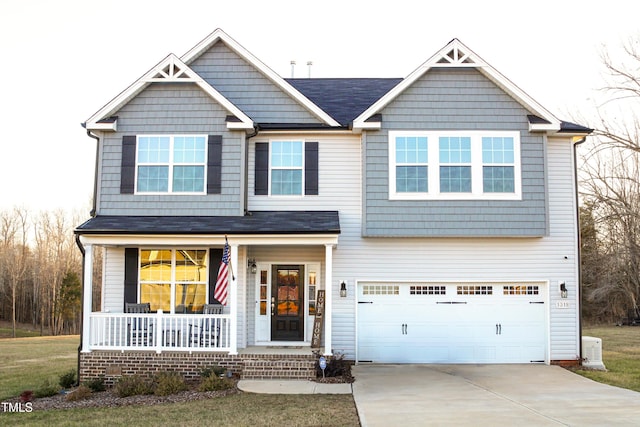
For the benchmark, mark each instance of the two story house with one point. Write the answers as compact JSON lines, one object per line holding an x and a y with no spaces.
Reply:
{"x":426,"y":219}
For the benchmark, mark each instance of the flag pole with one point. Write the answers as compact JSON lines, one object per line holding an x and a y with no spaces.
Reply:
{"x":233,"y":277}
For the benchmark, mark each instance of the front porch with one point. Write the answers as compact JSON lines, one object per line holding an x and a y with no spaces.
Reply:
{"x":173,"y":270}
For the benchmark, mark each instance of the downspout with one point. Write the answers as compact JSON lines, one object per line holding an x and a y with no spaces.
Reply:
{"x":95,"y":175}
{"x":256,"y":129}
{"x":579,"y":251}
{"x":81,"y":306}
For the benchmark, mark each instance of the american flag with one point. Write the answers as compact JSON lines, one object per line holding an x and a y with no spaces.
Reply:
{"x":222,"y":284}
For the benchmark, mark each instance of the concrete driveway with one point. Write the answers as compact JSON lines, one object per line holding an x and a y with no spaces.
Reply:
{"x":488,"y":395}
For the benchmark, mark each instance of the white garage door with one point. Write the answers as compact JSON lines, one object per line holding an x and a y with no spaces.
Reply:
{"x":452,"y":323}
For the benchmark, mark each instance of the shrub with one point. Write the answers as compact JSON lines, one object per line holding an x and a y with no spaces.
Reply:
{"x":132,"y":386}
{"x":215,"y":370}
{"x":46,"y":389}
{"x":96,"y":384}
{"x":215,"y":383}
{"x":82,"y":392}
{"x":68,"y":379}
{"x":337,"y":366}
{"x":167,"y":383}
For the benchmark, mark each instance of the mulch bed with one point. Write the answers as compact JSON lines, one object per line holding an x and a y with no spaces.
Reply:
{"x":108,"y":398}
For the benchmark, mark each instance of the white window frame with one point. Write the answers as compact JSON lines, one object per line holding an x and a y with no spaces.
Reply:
{"x":171,"y":164}
{"x":301,"y":168}
{"x":433,"y":165}
{"x":172,"y":282}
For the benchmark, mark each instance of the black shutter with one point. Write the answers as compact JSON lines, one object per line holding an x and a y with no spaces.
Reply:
{"x":311,"y":168}
{"x":214,"y":165}
{"x":215,"y":256}
{"x":128,"y":165}
{"x":262,"y":169}
{"x":130,"y":275}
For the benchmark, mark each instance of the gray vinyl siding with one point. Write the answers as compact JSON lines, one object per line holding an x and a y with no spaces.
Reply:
{"x":455,"y":99}
{"x":247,"y":88}
{"x":171,"y":109}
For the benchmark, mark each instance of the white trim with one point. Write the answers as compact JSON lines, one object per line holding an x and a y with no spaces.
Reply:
{"x":234,"y":313}
{"x":169,"y":240}
{"x":87,"y":297}
{"x":434,"y":164}
{"x":455,"y":54}
{"x":219,"y":35}
{"x":170,"y":69}
{"x":328,"y":302}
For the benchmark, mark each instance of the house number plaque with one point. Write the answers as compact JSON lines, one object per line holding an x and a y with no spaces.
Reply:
{"x":316,"y":335}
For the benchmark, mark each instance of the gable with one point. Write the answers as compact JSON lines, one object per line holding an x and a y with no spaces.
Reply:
{"x":169,"y":70}
{"x":457,"y":55}
{"x":220,"y":36}
{"x":241,"y":83}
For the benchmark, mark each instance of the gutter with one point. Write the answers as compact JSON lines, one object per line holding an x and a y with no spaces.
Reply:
{"x":81,"y":306}
{"x":256,"y":130}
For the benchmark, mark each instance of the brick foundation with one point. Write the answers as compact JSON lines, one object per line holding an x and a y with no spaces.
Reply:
{"x":110,"y":365}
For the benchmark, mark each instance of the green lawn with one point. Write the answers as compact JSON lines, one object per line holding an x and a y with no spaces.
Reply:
{"x":243,"y":409}
{"x":28,"y":362}
{"x":620,"y":354}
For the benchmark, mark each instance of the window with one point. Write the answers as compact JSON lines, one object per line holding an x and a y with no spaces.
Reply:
{"x":287,"y":162}
{"x":173,"y":280}
{"x":171,"y":164}
{"x":454,"y":165}
{"x":411,"y":164}
{"x":498,"y":165}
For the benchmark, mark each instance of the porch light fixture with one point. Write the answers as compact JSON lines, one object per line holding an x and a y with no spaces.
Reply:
{"x":251,"y":265}
{"x":563,"y":290}
{"x":343,"y":289}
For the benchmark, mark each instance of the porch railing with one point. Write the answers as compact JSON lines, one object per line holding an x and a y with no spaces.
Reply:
{"x":159,"y":331}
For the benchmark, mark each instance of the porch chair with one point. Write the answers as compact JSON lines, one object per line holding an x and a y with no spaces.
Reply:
{"x":207,"y":332}
{"x":139,"y":330}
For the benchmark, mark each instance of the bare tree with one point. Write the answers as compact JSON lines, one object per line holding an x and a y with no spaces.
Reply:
{"x":610,"y":190}
{"x":15,"y":252}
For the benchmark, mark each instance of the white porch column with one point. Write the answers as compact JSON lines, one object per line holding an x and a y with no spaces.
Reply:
{"x":87,"y":299}
{"x":233,"y":300}
{"x":328,"y":302}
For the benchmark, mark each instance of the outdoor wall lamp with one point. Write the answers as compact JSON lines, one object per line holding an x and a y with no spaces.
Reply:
{"x":343,"y":289}
{"x":563,"y":290}
{"x":251,"y":265}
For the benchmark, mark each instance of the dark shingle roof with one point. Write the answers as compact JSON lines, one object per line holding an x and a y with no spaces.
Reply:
{"x":573,"y":127}
{"x":344,"y":99}
{"x":261,"y":222}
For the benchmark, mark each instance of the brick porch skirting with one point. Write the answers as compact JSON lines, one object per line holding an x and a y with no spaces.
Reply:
{"x":111,"y":365}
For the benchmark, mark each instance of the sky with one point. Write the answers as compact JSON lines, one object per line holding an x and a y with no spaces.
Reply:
{"x":62,"y":60}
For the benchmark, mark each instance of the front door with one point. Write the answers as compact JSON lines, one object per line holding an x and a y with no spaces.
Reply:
{"x":287,"y":303}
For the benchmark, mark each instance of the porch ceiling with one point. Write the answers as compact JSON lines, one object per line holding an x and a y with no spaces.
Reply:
{"x":254,"y":223}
